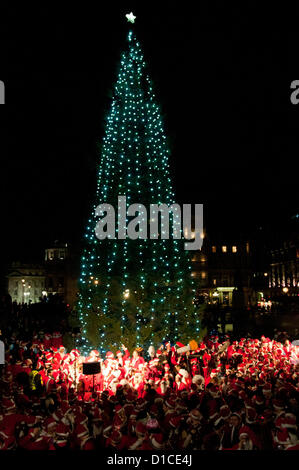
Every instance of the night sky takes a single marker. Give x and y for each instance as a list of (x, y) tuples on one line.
[(222, 76)]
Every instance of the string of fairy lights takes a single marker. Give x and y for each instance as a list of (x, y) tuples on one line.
[(135, 162)]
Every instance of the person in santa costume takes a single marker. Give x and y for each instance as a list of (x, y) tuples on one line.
[(94, 356), (154, 442), (247, 440), (116, 440), (137, 359), (182, 381), (192, 432), (135, 441), (83, 439), (62, 438), (169, 411), (231, 435), (121, 358), (11, 417)]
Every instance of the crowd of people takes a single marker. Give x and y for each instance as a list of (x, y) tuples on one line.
[(218, 395)]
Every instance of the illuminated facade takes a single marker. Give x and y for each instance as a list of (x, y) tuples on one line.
[(220, 269), (57, 276)]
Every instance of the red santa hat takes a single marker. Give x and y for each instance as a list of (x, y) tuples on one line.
[(213, 414), (96, 415), (289, 421), (94, 352), (115, 436), (9, 443), (214, 391), (258, 400), (140, 429), (118, 353), (141, 403), (267, 389), (118, 408), (195, 415), (225, 411), (75, 353), (39, 365), (245, 431), (57, 415), (62, 430), (81, 431), (8, 405), (31, 421), (170, 402), (282, 437), (109, 355), (278, 405), (81, 418), (50, 423), (157, 441), (154, 410), (180, 405), (251, 415), (175, 421)]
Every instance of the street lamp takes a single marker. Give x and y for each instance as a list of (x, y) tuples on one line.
[(285, 290), (23, 287)]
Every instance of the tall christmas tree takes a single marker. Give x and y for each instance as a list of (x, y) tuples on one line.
[(137, 292)]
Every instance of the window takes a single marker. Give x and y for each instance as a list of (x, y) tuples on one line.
[(203, 275), (213, 249), (214, 282), (234, 249), (224, 249), (247, 247)]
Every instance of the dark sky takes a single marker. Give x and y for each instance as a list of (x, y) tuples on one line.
[(222, 75)]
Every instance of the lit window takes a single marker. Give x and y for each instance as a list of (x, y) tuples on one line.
[(224, 249), (234, 249), (213, 249), (203, 259), (247, 247), (203, 275), (214, 282)]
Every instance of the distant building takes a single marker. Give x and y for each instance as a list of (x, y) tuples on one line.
[(222, 270), (61, 272), (26, 283), (284, 267), (57, 276)]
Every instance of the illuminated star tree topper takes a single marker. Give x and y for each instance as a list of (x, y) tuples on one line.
[(131, 18)]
